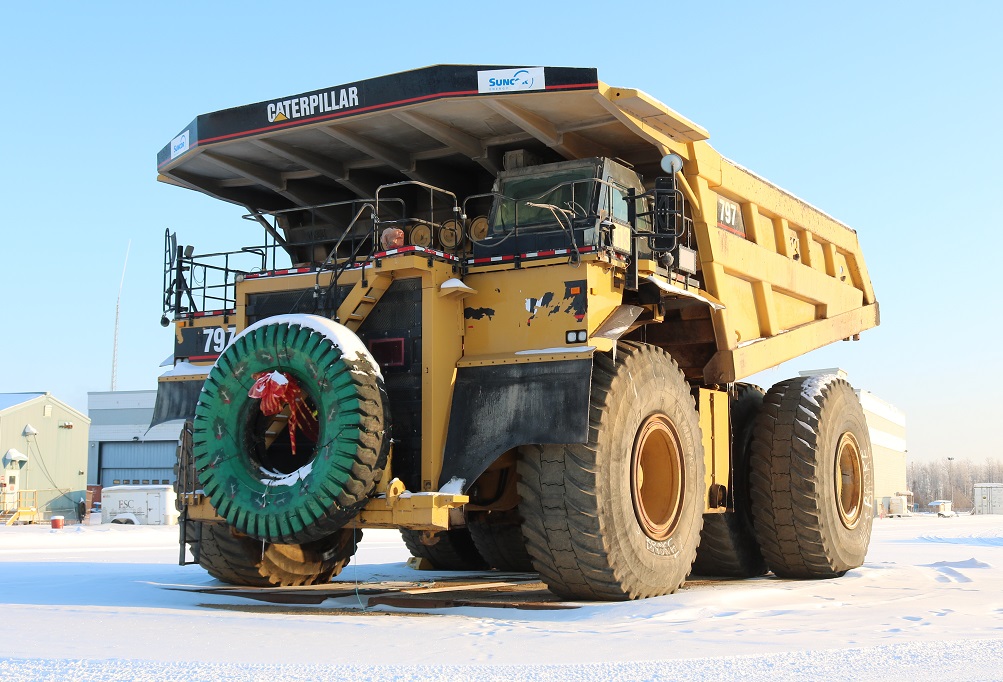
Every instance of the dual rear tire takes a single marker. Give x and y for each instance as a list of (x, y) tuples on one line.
[(812, 478), (728, 545)]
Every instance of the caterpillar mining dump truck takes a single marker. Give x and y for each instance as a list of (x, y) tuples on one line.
[(507, 311)]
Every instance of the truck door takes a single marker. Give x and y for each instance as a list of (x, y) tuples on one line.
[(8, 501), (154, 515)]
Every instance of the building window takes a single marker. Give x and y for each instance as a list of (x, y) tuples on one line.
[(135, 481), (116, 482)]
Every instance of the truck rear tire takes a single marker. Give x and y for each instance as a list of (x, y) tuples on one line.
[(237, 559), (619, 517), (728, 546), (260, 483), (498, 538), (812, 478), (446, 550)]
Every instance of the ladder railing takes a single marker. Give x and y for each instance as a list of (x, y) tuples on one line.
[(668, 225)]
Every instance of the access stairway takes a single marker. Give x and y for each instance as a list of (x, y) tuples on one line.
[(22, 510), (14, 516)]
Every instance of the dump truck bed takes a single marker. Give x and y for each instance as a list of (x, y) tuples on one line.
[(789, 278)]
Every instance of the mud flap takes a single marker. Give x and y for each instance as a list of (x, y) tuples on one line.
[(498, 407), (176, 400)]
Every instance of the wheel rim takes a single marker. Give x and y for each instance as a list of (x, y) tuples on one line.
[(849, 477), (656, 477)]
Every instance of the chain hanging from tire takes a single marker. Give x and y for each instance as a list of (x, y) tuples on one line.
[(812, 480), (619, 517), (246, 460)]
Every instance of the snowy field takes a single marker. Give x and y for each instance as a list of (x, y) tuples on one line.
[(95, 603)]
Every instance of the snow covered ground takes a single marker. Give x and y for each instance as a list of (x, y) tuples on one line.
[(95, 603)]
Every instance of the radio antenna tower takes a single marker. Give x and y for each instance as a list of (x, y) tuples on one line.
[(118, 303)]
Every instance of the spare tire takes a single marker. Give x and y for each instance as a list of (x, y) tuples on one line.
[(301, 483)]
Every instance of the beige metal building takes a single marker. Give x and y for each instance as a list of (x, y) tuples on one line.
[(886, 424), (43, 448)]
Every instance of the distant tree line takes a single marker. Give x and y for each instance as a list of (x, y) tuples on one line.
[(947, 479)]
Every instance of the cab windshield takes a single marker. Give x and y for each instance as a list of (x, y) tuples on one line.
[(570, 190)]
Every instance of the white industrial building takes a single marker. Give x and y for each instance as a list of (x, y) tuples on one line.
[(123, 449)]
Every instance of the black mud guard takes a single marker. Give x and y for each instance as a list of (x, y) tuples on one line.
[(498, 407), (176, 400)]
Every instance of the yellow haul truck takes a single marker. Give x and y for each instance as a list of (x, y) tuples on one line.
[(508, 310)]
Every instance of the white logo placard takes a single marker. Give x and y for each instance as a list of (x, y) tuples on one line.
[(511, 80), (179, 145)]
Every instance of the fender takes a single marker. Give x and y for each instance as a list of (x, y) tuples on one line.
[(499, 407), (176, 400)]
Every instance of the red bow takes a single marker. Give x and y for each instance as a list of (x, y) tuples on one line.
[(277, 390)]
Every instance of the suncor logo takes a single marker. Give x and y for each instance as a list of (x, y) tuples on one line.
[(520, 78), (179, 145), (511, 80)]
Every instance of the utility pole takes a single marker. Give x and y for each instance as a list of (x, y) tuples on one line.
[(950, 480), (118, 302)]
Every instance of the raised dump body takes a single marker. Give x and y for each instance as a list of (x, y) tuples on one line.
[(539, 291)]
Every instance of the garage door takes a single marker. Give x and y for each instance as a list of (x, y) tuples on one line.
[(148, 463)]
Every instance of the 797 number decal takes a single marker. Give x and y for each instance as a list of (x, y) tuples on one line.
[(217, 338), (200, 344)]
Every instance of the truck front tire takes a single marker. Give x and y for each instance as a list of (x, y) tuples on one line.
[(619, 517), (237, 559)]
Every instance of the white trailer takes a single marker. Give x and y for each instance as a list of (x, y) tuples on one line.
[(148, 505), (898, 505), (988, 498)]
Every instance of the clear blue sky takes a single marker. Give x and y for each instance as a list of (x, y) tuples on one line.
[(886, 117)]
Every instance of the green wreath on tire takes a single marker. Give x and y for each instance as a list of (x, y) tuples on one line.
[(300, 487)]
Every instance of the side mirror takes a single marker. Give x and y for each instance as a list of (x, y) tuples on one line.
[(672, 163)]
